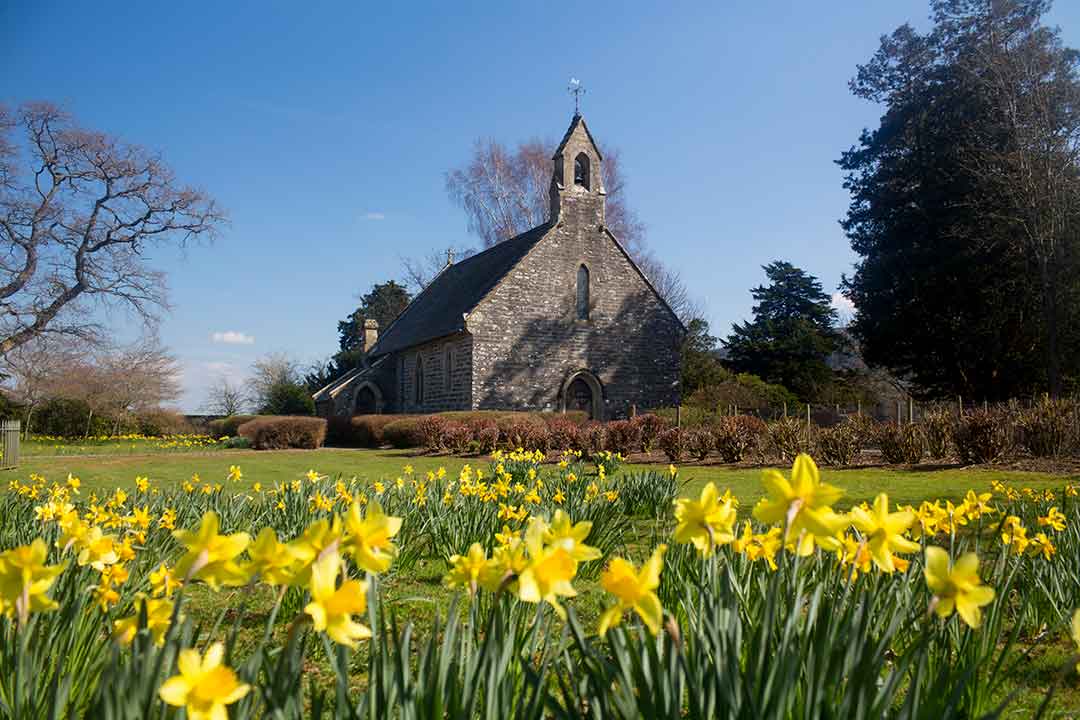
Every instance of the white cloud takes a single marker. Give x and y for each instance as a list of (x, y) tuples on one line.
[(232, 337), (375, 216), (843, 305)]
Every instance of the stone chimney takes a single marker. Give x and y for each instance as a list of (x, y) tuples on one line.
[(371, 334)]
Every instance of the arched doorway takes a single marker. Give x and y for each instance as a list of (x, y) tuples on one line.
[(368, 400), (581, 391)]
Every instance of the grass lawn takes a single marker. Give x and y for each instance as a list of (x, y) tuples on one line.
[(112, 468)]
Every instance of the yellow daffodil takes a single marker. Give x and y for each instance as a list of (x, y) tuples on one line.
[(273, 561), (547, 576), (633, 590), (158, 618), (1076, 634), (368, 537), (25, 579), (234, 474), (204, 686), (569, 536), (706, 522), (884, 531), (332, 607), (163, 581), (211, 557), (1043, 545), (803, 507), (506, 563), (466, 570), (956, 586), (1054, 519)]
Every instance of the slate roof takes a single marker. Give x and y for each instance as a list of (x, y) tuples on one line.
[(440, 308)]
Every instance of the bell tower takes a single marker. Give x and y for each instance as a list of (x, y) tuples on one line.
[(577, 184)]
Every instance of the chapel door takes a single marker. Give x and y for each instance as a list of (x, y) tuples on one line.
[(579, 396), (365, 402)]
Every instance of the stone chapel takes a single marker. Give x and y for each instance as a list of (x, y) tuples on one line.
[(557, 318)]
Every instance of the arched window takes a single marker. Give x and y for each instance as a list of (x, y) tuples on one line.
[(418, 381), (581, 170), (583, 293)]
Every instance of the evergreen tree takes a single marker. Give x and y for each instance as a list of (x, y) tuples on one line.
[(964, 203), (791, 334)]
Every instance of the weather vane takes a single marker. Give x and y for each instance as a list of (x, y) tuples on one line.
[(577, 91)]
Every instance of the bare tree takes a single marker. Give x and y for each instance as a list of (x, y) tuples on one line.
[(420, 271), (37, 370), (225, 397), (505, 192), (270, 370), (77, 211), (143, 376)]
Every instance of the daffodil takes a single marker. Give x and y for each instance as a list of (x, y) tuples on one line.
[(158, 618), (211, 557), (706, 522), (569, 536), (204, 686), (884, 531), (332, 607), (1054, 519), (956, 586), (549, 572), (506, 563), (274, 562), (1076, 634), (803, 507), (319, 536), (633, 590), (25, 579), (466, 570), (368, 537)]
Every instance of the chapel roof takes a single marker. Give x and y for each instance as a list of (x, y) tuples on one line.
[(441, 307)]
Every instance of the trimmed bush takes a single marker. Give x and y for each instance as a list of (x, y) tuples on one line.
[(839, 444), (278, 432), (623, 437), (403, 433), (361, 431), (699, 442), (651, 427), (592, 437), (537, 437), (938, 430), (1044, 430), (564, 434), (163, 422), (673, 443), (430, 429), (457, 437), (237, 443), (735, 438), (788, 437), (901, 444), (982, 436), (485, 435), (228, 426)]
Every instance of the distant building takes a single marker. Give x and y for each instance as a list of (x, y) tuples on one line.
[(557, 318)]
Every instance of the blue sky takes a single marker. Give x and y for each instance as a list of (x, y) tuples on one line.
[(325, 130)]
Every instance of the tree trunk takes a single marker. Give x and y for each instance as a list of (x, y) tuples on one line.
[(1047, 277), (89, 419)]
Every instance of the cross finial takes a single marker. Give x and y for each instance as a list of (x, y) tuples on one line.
[(575, 89), (449, 256)]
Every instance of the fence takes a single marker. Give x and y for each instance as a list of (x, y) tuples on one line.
[(9, 444)]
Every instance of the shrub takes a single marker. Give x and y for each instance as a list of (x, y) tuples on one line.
[(1044, 430), (364, 431), (787, 438), (938, 430), (865, 429), (736, 437), (163, 422), (699, 442), (430, 429), (228, 426), (237, 443), (457, 437), (673, 442), (592, 438), (982, 436), (901, 444), (623, 436), (403, 433), (271, 432), (651, 426), (68, 418), (537, 437), (485, 435), (839, 444), (288, 398), (514, 432), (564, 434)]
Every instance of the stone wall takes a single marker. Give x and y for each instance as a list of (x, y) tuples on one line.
[(448, 376), (527, 340)]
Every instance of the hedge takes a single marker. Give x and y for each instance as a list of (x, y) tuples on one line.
[(279, 432), (229, 426)]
